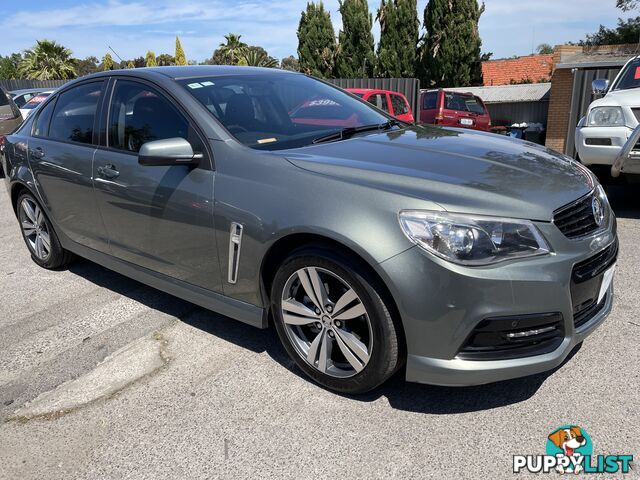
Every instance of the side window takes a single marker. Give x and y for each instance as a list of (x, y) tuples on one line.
[(380, 101), (75, 112), (430, 100), (400, 107), (139, 114), (41, 125)]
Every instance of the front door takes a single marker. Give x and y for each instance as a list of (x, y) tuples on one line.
[(157, 217)]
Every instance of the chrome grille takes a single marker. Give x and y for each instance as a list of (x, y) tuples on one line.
[(576, 219)]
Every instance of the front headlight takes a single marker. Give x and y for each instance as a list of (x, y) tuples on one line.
[(606, 117), (472, 240)]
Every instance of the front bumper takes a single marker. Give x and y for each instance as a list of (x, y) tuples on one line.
[(441, 304), (594, 154)]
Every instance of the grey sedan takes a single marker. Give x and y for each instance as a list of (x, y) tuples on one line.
[(274, 198)]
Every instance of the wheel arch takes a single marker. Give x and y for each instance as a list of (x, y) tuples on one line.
[(16, 190), (288, 244)]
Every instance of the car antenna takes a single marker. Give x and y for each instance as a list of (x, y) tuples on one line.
[(119, 57)]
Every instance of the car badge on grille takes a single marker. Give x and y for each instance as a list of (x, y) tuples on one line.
[(598, 210)]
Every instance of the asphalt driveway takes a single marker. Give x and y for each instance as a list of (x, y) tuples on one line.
[(103, 377)]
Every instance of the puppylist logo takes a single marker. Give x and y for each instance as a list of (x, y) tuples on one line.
[(569, 450)]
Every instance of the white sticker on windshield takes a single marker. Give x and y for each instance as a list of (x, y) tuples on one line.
[(207, 84), (194, 85)]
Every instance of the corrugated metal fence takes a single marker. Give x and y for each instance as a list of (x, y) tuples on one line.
[(409, 87), (505, 114), (581, 97), (19, 84)]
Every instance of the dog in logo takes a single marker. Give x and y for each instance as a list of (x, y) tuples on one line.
[(568, 440)]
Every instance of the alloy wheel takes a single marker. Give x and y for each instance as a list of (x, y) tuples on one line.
[(34, 228), (326, 322)]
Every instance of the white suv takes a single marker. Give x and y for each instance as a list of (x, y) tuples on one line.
[(603, 134)]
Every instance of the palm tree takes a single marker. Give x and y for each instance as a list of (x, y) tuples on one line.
[(47, 60), (233, 49), (256, 57)]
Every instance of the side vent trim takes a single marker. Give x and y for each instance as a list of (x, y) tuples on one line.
[(235, 242)]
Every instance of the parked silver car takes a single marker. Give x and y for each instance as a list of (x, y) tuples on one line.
[(371, 245)]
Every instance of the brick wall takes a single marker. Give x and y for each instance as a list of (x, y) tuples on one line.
[(559, 106), (560, 99)]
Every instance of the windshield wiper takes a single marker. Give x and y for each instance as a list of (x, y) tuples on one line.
[(350, 131)]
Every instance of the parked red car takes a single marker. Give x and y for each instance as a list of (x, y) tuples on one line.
[(454, 109), (394, 103)]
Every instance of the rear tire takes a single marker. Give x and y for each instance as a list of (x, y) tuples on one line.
[(333, 322), (38, 234)]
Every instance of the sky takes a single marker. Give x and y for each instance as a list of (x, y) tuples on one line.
[(89, 27)]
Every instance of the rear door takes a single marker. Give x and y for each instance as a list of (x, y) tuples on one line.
[(61, 150), (158, 217), (464, 110)]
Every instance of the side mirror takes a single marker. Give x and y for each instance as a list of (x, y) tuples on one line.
[(168, 152), (600, 86)]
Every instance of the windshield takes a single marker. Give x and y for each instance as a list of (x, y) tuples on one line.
[(630, 77), (274, 111)]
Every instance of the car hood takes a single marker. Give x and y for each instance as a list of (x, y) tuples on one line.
[(618, 98), (462, 171)]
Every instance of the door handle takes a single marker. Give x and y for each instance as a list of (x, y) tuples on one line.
[(37, 153), (108, 171)]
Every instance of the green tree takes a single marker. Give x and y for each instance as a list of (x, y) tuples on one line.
[(47, 60), (165, 60), (9, 66), (107, 62), (139, 62), (316, 41), (356, 55), (544, 49), (130, 64), (626, 5), (449, 52), (86, 66), (180, 57), (150, 59), (399, 27), (257, 57), (231, 50), (290, 63), (627, 31)]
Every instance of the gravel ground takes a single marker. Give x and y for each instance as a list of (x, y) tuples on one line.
[(201, 396)]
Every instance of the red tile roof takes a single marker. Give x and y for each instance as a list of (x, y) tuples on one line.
[(532, 68)]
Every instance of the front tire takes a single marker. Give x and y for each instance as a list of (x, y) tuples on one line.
[(331, 318), (38, 234)]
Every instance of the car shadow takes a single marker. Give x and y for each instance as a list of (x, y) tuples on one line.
[(624, 200), (400, 394)]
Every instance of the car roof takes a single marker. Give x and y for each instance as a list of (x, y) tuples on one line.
[(191, 71), (27, 90), (367, 90), (431, 90)]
